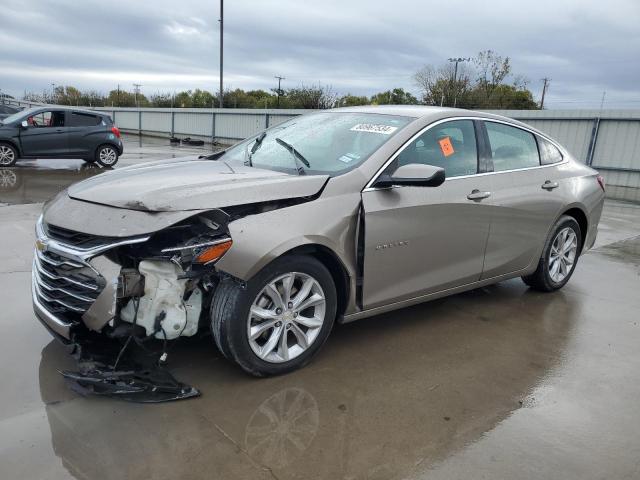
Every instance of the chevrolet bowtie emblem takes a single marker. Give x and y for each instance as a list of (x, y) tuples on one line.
[(41, 245)]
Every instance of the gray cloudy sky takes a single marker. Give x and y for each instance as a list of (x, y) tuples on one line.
[(356, 46)]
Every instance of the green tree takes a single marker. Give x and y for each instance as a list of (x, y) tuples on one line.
[(183, 100), (122, 98), (397, 96), (161, 100), (352, 101), (202, 99)]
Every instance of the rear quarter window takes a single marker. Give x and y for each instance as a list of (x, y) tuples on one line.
[(549, 153)]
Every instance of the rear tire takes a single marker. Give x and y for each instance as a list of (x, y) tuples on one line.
[(107, 155), (559, 256), (296, 334), (8, 155)]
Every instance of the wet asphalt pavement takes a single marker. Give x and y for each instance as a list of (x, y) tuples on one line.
[(32, 181), (500, 382)]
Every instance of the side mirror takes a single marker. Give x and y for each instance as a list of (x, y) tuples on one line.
[(413, 175), (24, 124)]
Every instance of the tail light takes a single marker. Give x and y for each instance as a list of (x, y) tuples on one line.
[(116, 131), (600, 179)]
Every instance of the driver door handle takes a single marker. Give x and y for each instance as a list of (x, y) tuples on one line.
[(478, 195), (549, 185)]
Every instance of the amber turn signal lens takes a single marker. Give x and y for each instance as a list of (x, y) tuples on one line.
[(214, 252)]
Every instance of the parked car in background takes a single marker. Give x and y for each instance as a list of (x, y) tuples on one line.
[(46, 132), (332, 216), (6, 110)]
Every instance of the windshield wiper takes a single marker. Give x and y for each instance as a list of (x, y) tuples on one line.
[(248, 153), (297, 156)]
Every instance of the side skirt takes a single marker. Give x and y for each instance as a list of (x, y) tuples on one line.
[(432, 296)]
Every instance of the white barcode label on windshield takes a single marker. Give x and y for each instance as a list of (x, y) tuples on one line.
[(374, 128)]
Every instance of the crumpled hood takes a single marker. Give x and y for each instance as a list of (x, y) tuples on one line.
[(192, 184)]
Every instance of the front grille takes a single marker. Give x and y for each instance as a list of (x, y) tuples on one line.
[(66, 287), (75, 239)]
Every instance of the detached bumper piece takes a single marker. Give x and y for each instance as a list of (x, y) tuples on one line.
[(136, 378), (148, 386)]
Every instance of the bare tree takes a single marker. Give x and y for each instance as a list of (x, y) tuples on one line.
[(438, 85), (483, 85)]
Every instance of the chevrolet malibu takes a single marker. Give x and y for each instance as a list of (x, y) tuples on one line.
[(329, 217)]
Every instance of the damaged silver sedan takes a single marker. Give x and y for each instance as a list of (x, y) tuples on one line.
[(331, 216)]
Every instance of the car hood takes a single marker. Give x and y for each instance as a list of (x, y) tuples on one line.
[(192, 184)]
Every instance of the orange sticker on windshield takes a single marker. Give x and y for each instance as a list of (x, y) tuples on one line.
[(446, 147)]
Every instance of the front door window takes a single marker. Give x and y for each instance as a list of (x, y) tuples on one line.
[(46, 119)]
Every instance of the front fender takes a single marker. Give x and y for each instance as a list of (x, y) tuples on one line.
[(261, 238)]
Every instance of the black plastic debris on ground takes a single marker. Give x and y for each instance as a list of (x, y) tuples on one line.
[(132, 374)]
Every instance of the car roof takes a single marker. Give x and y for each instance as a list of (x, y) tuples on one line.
[(63, 108), (430, 113)]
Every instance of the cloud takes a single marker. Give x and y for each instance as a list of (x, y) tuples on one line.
[(361, 47)]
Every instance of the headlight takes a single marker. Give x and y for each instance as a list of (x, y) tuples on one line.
[(214, 252), (204, 252)]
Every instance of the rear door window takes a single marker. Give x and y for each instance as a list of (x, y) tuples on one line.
[(449, 145), (77, 119), (549, 153), (511, 148)]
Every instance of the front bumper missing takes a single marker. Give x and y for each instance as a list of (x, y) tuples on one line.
[(106, 366)]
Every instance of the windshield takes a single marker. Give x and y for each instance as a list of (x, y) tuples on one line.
[(319, 143), (17, 116)]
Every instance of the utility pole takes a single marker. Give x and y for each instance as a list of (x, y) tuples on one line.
[(279, 91), (136, 91), (455, 76), (53, 92), (545, 86), (118, 97), (604, 94), (221, 47)]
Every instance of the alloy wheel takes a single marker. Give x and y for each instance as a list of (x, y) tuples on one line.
[(108, 156), (286, 317), (7, 155), (563, 254)]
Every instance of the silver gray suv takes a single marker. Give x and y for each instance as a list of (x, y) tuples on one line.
[(333, 216)]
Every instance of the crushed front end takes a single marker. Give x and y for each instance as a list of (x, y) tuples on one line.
[(118, 301)]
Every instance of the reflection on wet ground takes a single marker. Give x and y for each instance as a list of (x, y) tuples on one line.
[(31, 181), (500, 382)]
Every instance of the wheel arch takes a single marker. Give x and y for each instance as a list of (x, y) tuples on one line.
[(13, 143), (320, 251), (336, 268), (579, 216)]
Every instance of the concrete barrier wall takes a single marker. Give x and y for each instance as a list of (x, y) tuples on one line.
[(607, 140)]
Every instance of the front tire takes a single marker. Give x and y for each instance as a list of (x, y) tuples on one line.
[(107, 155), (8, 155), (559, 257), (279, 320)]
